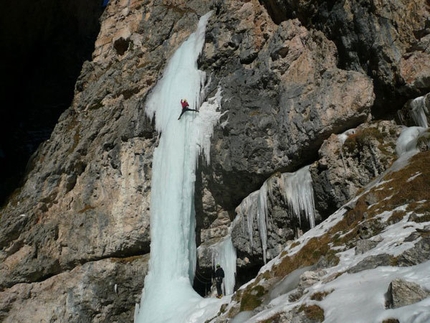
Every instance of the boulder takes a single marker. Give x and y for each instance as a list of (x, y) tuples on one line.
[(402, 293)]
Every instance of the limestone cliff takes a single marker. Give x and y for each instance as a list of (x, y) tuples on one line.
[(325, 84)]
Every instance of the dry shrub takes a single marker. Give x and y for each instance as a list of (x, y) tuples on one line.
[(313, 312)]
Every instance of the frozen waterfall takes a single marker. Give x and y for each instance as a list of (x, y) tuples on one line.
[(168, 295)]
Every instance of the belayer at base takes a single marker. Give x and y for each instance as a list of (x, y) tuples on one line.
[(219, 276), (185, 108)]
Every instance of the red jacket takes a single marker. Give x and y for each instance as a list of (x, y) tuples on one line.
[(184, 104)]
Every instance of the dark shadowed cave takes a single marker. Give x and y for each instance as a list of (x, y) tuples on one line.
[(44, 44)]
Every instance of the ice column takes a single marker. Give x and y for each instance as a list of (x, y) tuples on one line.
[(224, 254), (168, 294)]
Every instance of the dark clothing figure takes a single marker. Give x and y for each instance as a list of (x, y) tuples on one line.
[(219, 276), (185, 108)]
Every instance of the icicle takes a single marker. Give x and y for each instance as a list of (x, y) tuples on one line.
[(224, 254), (419, 111), (248, 210), (204, 126), (254, 206), (262, 218), (298, 192)]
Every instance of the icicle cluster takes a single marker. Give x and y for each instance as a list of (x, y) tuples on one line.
[(296, 188), (299, 193)]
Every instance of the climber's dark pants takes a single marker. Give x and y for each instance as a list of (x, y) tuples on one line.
[(185, 110), (218, 288)]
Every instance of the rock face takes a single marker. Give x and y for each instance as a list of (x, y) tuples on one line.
[(386, 40), (96, 291), (281, 104), (303, 83)]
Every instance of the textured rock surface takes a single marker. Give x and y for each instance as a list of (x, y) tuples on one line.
[(402, 293), (350, 160), (280, 106), (386, 40), (97, 291), (295, 92), (85, 208)]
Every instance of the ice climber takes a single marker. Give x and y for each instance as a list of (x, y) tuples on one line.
[(185, 107), (219, 276)]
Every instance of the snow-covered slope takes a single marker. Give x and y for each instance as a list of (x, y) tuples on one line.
[(368, 262)]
